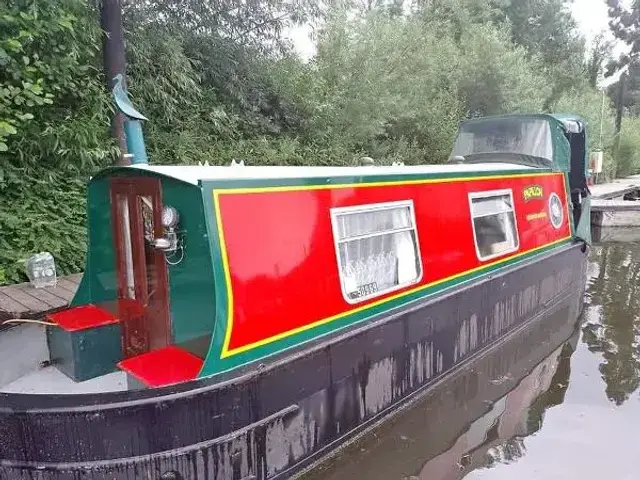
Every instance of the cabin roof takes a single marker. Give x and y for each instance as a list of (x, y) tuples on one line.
[(194, 174), (559, 118)]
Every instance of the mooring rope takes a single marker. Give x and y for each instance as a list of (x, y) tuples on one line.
[(25, 320)]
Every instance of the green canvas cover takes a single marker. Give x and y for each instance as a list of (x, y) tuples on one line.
[(540, 140), (583, 230), (574, 124), (539, 135)]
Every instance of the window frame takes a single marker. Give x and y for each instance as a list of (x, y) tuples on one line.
[(335, 214), (488, 194)]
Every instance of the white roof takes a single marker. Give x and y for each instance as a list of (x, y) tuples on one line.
[(194, 173)]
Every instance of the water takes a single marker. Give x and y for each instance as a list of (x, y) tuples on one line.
[(563, 407)]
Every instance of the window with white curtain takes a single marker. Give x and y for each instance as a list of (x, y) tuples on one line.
[(377, 248), (494, 223)]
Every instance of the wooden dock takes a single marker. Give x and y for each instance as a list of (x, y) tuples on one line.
[(615, 189), (610, 209), (23, 301)]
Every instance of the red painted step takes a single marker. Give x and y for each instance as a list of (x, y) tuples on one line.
[(82, 317), (162, 367)]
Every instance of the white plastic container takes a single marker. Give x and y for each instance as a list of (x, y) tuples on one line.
[(41, 270)]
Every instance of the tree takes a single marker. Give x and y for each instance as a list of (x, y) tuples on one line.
[(546, 28), (625, 25), (51, 95), (457, 16), (54, 120), (631, 94), (601, 50), (255, 23)]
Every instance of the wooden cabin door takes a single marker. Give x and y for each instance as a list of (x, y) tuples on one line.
[(143, 304)]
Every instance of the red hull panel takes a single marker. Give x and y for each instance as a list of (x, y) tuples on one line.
[(282, 262)]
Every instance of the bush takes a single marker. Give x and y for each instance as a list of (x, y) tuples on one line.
[(587, 102), (628, 155), (54, 129), (43, 210)]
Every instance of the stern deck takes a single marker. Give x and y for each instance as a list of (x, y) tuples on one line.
[(26, 368)]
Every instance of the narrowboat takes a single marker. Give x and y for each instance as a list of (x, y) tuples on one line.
[(243, 322)]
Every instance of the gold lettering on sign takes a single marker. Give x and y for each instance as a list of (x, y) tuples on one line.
[(536, 216), (534, 191)]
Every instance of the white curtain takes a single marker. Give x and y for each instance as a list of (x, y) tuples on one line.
[(377, 267), (385, 259)]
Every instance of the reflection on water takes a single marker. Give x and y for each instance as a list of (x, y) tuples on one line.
[(559, 392), (612, 326)]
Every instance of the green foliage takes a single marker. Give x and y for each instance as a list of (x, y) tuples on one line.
[(546, 28), (219, 83), (624, 20), (43, 210), (257, 24), (588, 103), (54, 117), (628, 158), (496, 77), (51, 98), (600, 52), (385, 84), (396, 88), (631, 94), (368, 97)]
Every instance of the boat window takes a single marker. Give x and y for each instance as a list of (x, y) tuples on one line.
[(377, 249), (509, 135), (494, 223)]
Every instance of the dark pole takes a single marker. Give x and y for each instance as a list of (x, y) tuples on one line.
[(114, 63)]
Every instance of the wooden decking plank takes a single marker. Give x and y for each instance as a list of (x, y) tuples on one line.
[(75, 278), (32, 304), (43, 294), (62, 294), (67, 285), (25, 301), (615, 189), (9, 305)]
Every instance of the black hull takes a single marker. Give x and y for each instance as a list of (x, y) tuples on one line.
[(448, 432), (272, 422)]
